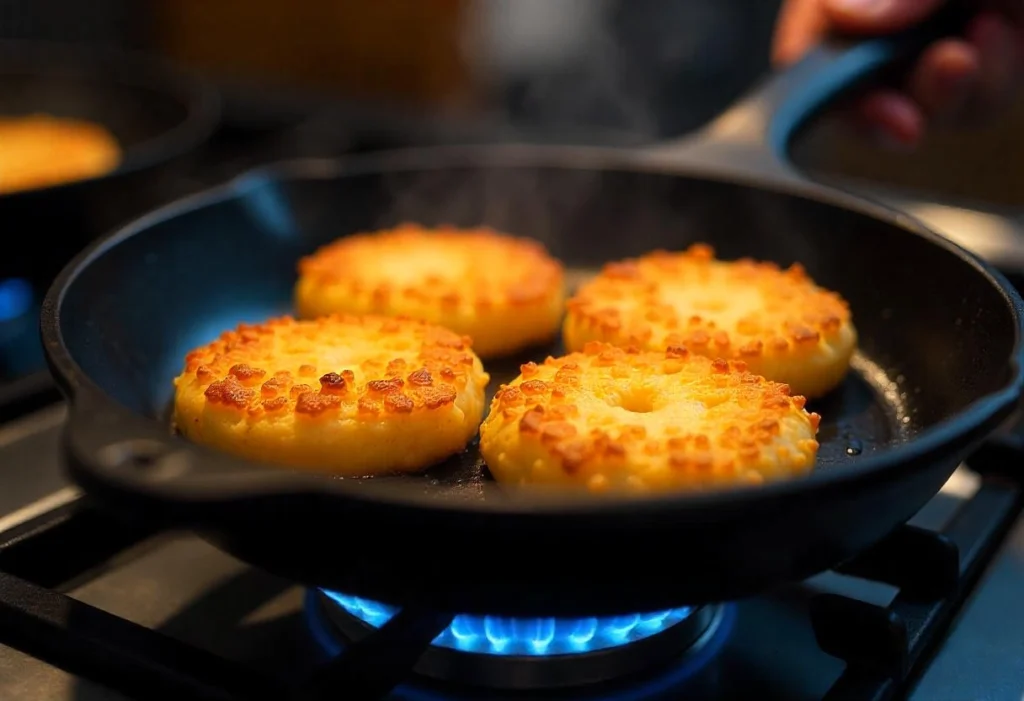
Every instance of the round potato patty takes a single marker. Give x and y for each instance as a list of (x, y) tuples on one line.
[(778, 322), (343, 394), (610, 418), (505, 293)]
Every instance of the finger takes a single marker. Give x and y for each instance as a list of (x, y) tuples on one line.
[(893, 116), (999, 53), (944, 79), (800, 25), (877, 16)]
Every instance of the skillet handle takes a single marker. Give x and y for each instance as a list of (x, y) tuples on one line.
[(123, 458), (751, 138)]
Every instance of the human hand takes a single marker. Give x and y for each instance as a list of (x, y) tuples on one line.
[(954, 80)]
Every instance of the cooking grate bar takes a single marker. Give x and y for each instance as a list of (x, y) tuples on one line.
[(370, 668), (884, 645), (117, 653), (65, 544)]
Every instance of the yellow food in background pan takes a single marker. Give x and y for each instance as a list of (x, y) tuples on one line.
[(40, 151)]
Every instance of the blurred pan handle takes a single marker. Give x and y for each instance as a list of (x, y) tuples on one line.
[(751, 138)]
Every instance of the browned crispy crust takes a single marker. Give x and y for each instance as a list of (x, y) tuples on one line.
[(798, 313), (485, 269), (503, 291), (778, 321), (257, 369), (558, 413)]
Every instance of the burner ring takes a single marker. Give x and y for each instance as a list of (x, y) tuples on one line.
[(540, 671)]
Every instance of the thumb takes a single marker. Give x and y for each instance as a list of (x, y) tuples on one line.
[(877, 16)]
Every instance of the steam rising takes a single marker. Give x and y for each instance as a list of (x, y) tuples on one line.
[(569, 66), (561, 61)]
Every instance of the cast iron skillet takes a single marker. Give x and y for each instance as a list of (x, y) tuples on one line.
[(155, 111), (939, 368)]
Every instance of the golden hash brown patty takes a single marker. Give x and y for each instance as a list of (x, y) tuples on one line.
[(778, 322), (341, 394), (505, 293), (615, 419)]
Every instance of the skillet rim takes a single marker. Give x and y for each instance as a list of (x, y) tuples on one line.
[(135, 69), (76, 384)]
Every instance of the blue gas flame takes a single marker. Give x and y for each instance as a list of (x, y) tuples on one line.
[(16, 297), (493, 635)]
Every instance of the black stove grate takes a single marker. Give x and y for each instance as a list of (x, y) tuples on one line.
[(885, 647)]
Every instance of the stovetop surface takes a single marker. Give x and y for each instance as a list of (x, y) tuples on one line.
[(180, 585), (186, 588)]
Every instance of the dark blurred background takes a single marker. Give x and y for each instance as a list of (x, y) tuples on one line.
[(651, 67), (570, 70)]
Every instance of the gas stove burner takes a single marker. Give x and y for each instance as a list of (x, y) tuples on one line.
[(533, 653)]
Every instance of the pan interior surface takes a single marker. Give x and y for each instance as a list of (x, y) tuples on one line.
[(934, 331)]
